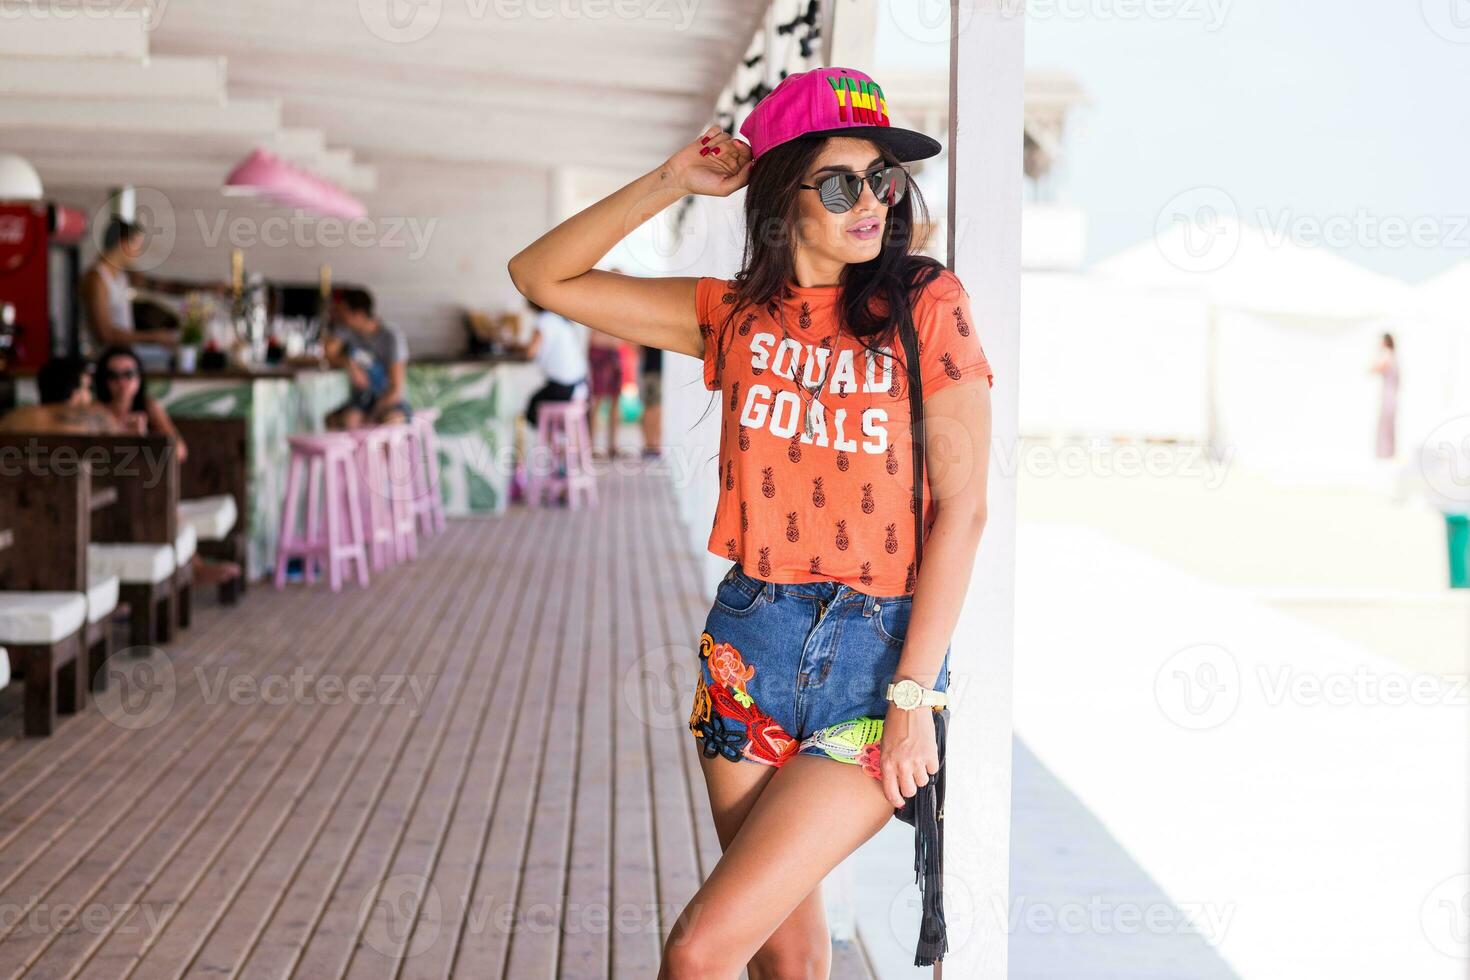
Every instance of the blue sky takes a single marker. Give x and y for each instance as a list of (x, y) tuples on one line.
[(1316, 117)]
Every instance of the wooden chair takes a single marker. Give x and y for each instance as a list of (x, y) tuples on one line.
[(214, 489), (55, 614), (137, 537)]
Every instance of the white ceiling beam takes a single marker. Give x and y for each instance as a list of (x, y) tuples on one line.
[(449, 87), (680, 69), (131, 160), (159, 173), (30, 30), (190, 79), (295, 143), (476, 21), (167, 173), (439, 134), (249, 116)]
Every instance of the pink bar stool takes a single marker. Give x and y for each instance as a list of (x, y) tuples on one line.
[(371, 459), (428, 499), (561, 459), (323, 466), (401, 490)]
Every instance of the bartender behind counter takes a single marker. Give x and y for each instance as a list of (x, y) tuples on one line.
[(107, 297)]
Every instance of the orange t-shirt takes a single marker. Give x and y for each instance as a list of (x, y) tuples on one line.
[(838, 503)]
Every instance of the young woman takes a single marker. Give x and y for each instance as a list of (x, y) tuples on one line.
[(106, 297), (122, 391), (122, 394), (822, 609)]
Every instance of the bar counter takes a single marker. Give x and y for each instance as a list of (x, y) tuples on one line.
[(478, 403)]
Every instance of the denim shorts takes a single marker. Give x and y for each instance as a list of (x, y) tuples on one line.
[(798, 669)]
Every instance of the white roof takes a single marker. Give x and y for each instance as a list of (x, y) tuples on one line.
[(1239, 266), (1448, 294)]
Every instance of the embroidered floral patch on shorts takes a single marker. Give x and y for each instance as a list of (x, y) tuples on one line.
[(788, 669)]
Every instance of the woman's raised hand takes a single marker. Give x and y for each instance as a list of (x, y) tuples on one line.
[(716, 164)]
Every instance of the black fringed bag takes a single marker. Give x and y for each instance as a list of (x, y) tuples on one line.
[(924, 811)]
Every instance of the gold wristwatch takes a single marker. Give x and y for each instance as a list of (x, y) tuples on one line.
[(908, 695)]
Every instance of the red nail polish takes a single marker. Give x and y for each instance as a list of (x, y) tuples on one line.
[(704, 139), (704, 152), (717, 151)]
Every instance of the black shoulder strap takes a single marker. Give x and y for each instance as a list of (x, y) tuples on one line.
[(910, 339)]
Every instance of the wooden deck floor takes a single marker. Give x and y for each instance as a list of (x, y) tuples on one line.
[(478, 767)]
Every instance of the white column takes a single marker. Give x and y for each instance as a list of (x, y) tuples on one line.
[(984, 229)]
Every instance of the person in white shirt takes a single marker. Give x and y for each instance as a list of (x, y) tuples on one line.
[(559, 348)]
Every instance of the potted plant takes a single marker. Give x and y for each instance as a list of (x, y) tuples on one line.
[(197, 312)]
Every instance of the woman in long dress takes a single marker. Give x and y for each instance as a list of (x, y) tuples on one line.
[(1386, 365)]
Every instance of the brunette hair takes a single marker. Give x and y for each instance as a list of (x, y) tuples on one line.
[(104, 392), (59, 379), (877, 295)]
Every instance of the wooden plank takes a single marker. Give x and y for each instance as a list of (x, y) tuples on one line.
[(541, 814), (636, 950), (521, 699), (391, 935), (586, 943), (667, 689), (127, 849), (243, 876), (297, 919), (544, 913)]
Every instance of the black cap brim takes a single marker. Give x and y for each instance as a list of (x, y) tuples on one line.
[(906, 144)]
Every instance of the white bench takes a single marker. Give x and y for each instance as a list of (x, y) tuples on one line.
[(43, 634)]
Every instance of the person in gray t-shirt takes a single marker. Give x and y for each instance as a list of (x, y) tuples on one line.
[(376, 358)]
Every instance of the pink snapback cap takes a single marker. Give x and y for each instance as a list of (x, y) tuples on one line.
[(830, 102)]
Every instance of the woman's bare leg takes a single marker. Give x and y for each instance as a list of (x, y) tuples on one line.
[(803, 936), (762, 903)]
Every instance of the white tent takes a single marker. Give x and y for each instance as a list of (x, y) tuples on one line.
[(1285, 319), (1241, 267)]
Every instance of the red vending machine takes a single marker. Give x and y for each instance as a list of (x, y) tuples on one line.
[(39, 270)]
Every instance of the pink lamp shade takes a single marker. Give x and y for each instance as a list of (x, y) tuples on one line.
[(266, 174)]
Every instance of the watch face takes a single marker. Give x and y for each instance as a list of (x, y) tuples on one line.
[(907, 694)]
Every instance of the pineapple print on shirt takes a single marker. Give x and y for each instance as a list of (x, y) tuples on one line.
[(834, 502)]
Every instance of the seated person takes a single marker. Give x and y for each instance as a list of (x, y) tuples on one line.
[(376, 358), (66, 407), (122, 392), (559, 348)]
